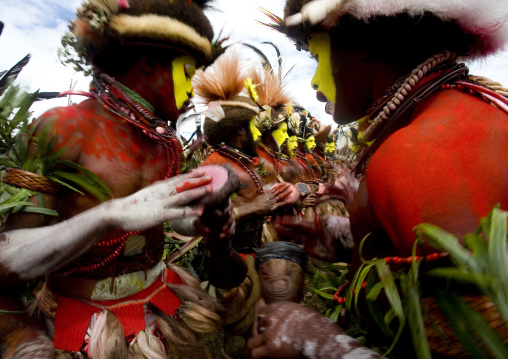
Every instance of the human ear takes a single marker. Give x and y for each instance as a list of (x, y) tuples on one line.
[(147, 64)]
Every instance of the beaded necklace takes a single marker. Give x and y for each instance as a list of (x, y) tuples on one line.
[(304, 162), (125, 103), (130, 106), (243, 160), (399, 92), (274, 157)]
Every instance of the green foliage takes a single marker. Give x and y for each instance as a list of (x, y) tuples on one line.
[(321, 284), (481, 259), (21, 149), (186, 253)]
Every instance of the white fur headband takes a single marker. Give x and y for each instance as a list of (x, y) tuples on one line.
[(487, 19)]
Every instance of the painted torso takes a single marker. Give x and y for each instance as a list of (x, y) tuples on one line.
[(120, 154), (270, 165), (448, 168)]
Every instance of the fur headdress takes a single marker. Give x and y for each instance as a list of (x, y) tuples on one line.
[(220, 86), (173, 24), (485, 20)]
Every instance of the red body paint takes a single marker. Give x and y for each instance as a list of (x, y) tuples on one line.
[(448, 168)]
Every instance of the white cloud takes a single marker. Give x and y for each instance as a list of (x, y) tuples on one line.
[(35, 27)]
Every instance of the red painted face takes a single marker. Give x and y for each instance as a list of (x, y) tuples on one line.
[(163, 90)]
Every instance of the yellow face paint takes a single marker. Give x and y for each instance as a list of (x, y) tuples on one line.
[(319, 48), (330, 147), (254, 130), (183, 68), (292, 144), (311, 142), (281, 133)]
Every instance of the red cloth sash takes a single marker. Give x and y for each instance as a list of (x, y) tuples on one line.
[(73, 316)]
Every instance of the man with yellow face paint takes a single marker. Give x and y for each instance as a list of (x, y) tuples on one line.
[(310, 141), (143, 54), (322, 81), (183, 67), (281, 134), (292, 144)]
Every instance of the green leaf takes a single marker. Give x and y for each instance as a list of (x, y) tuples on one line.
[(359, 277), (3, 207), (392, 294), (65, 184), (325, 295), (374, 292), (481, 280), (373, 289), (82, 181), (22, 113), (96, 180), (470, 327), (479, 246), (446, 242), (21, 194), (335, 314), (497, 247), (413, 310), (40, 210)]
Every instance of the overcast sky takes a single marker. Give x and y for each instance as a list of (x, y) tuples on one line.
[(36, 27)]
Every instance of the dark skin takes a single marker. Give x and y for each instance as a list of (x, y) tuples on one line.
[(247, 201), (129, 162)]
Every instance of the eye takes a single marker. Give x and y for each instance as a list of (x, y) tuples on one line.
[(190, 70)]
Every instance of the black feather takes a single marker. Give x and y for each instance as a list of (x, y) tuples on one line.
[(261, 54), (12, 73), (202, 3)]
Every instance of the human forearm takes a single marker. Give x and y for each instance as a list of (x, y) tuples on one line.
[(289, 330), (29, 253)]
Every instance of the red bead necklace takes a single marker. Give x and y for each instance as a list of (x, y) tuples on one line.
[(243, 160), (389, 260)]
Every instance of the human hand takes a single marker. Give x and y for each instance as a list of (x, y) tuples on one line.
[(328, 237), (272, 199), (309, 201), (162, 201), (343, 184), (217, 219), (284, 330)]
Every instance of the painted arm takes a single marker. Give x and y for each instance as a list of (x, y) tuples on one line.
[(26, 254), (286, 330), (263, 204)]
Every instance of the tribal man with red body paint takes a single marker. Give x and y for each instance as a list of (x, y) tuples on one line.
[(439, 153), (108, 294)]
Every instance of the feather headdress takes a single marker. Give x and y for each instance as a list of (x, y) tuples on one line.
[(221, 87), (272, 95), (487, 20)]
